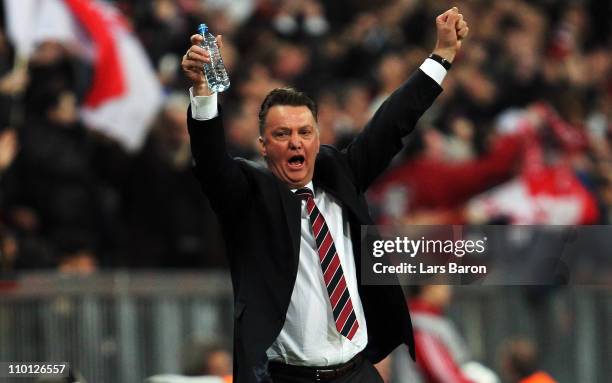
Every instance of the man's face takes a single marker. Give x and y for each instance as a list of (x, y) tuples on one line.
[(290, 144)]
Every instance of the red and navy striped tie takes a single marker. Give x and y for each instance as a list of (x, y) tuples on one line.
[(339, 297)]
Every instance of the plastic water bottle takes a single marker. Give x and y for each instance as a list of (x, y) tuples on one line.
[(216, 75)]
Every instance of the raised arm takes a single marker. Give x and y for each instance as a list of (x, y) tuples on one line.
[(372, 150), (222, 179)]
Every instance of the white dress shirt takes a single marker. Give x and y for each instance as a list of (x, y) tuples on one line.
[(309, 336)]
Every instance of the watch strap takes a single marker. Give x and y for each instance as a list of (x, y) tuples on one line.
[(441, 60)]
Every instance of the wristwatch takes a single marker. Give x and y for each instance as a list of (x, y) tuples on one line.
[(441, 60)]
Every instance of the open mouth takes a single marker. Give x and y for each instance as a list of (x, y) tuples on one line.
[(296, 162)]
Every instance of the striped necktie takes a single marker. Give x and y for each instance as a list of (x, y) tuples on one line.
[(339, 297)]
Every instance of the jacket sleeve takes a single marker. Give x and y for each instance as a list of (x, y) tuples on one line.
[(372, 150), (223, 181)]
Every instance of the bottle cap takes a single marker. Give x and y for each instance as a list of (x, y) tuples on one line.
[(202, 29)]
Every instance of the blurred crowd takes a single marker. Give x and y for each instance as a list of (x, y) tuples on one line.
[(521, 134)]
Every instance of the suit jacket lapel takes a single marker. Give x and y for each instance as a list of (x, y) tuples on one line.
[(338, 186), (291, 206)]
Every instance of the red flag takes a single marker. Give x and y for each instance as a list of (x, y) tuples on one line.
[(125, 94)]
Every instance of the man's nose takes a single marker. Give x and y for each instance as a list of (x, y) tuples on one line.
[(295, 141)]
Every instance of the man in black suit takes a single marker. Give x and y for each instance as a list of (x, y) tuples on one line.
[(292, 229)]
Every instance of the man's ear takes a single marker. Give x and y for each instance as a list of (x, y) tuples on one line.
[(262, 146)]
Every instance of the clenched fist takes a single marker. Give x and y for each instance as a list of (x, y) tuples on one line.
[(452, 29)]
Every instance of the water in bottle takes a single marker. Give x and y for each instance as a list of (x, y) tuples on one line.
[(215, 72)]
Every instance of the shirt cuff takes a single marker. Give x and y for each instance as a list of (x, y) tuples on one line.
[(434, 69), (203, 107)]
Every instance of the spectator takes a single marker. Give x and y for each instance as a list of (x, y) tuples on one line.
[(8, 243), (430, 188), (170, 223), (441, 353), (56, 199), (519, 360), (209, 360)]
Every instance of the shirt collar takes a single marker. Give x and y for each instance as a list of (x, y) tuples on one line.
[(309, 185)]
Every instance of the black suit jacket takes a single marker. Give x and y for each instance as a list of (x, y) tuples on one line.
[(260, 220)]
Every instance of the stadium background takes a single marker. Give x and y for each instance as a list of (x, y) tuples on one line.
[(98, 225)]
